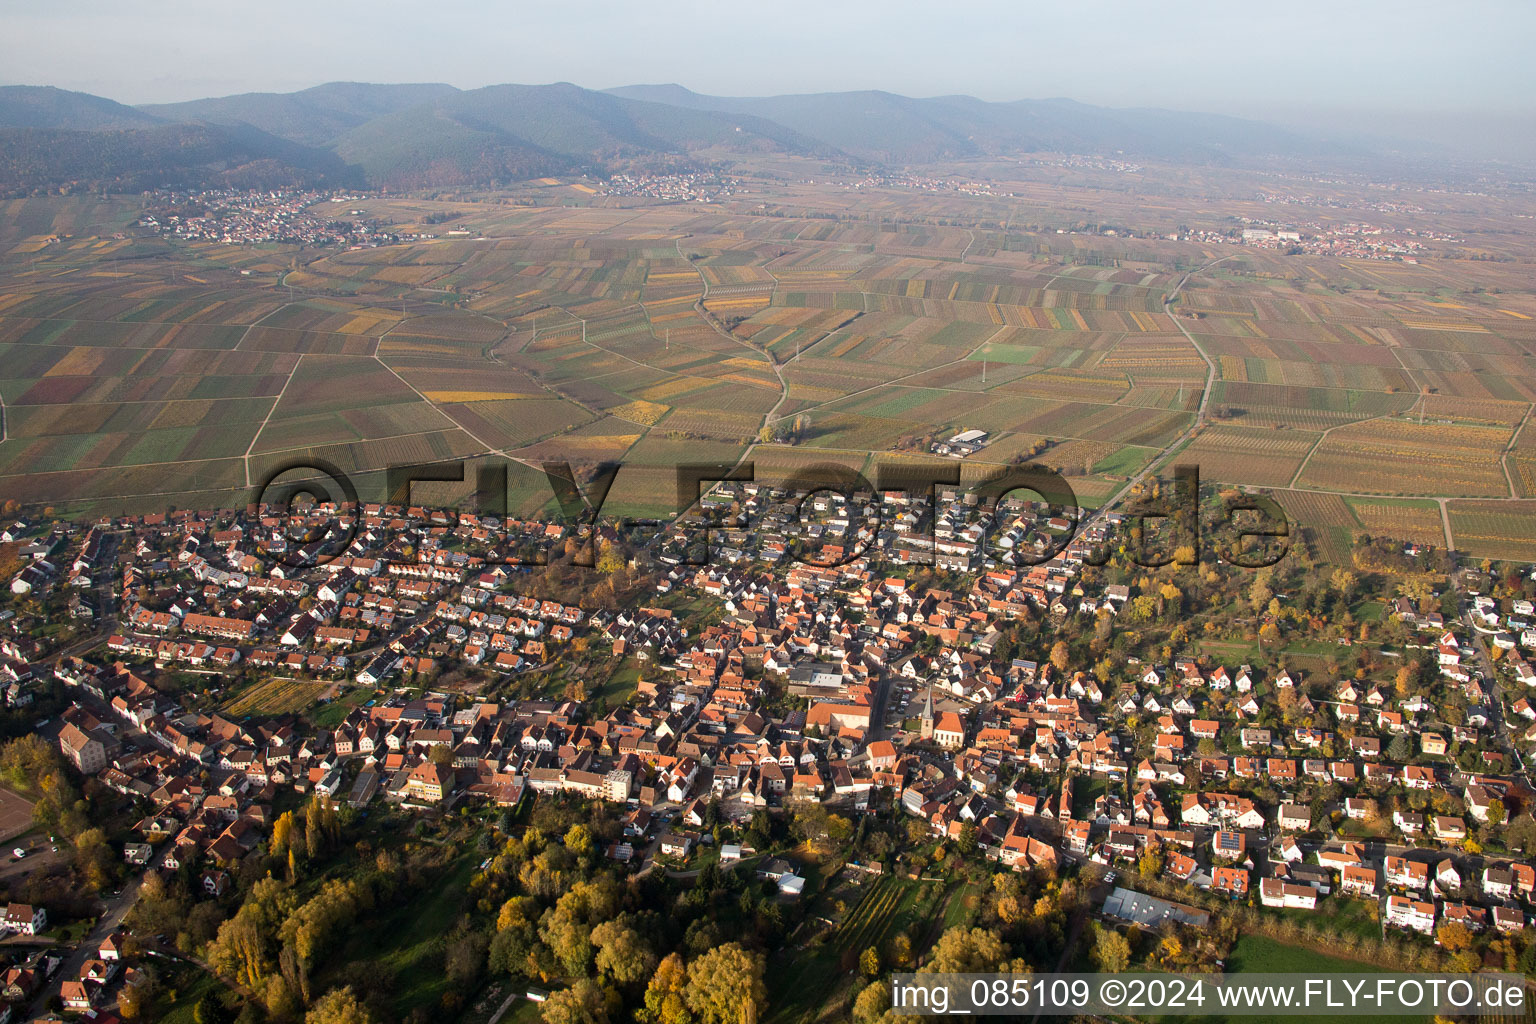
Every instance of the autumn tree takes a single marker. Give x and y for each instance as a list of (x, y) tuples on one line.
[(1111, 950), (967, 951), (1454, 936), (25, 760), (93, 859), (811, 823), (137, 1000), (623, 954), (243, 948), (873, 1003), (322, 827), (568, 928), (282, 999), (839, 829), (666, 995), (517, 912), (314, 927), (1496, 812), (585, 1002), (725, 985), (338, 1006), (282, 834), (578, 839)]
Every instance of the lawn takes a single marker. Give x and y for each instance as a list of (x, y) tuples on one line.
[(1368, 611), (1085, 792), (1257, 954), (1124, 462), (408, 939), (621, 684), (962, 905), (524, 1012), (189, 987), (330, 714), (1338, 916)]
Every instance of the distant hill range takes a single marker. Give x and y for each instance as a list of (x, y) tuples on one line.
[(885, 128), (403, 136)]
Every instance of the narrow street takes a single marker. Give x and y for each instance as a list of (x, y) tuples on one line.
[(111, 918)]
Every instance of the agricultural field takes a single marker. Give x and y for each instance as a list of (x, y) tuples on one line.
[(1489, 529), (810, 981), (1415, 521), (134, 368), (1324, 521), (1246, 455), (1404, 457), (275, 696)]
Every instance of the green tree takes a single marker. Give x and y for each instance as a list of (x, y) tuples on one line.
[(210, 1011), (1520, 833), (967, 841)]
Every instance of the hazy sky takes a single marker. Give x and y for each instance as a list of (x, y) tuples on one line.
[(1230, 56)]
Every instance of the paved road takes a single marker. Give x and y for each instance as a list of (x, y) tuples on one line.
[(1189, 432), (40, 857), (877, 711), (104, 597), (1210, 372), (111, 918), (1501, 729)]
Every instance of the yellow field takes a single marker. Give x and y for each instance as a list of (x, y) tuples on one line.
[(472, 396), (639, 411)]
